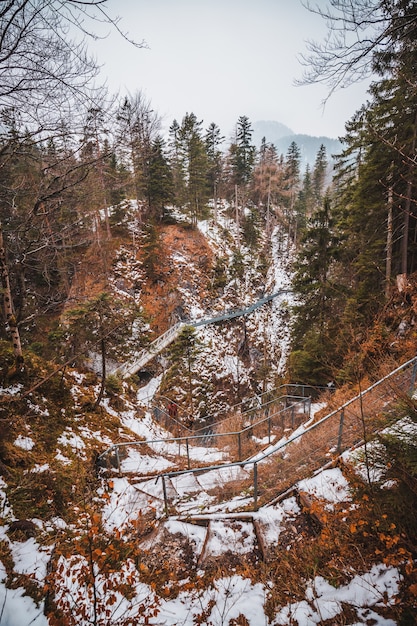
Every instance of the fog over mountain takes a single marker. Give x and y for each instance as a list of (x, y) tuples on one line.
[(282, 136)]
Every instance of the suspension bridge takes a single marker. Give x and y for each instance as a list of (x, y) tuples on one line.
[(141, 358)]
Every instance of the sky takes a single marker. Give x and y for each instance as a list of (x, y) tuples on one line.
[(222, 59)]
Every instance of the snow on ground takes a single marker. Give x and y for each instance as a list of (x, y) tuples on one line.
[(26, 443), (17, 609), (143, 463), (203, 454), (13, 390), (146, 394), (405, 430), (272, 518), (328, 485), (30, 558), (5, 510), (142, 425), (230, 597), (125, 504), (133, 460), (73, 441), (222, 476), (324, 602), (87, 607), (224, 601), (238, 538), (194, 533)]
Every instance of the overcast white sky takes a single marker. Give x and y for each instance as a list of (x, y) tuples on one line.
[(221, 59)]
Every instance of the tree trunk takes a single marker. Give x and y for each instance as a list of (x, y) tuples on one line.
[(9, 315), (388, 268), (103, 373), (237, 219), (407, 207)]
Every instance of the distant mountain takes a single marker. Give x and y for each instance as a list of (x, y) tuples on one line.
[(282, 137), (272, 131)]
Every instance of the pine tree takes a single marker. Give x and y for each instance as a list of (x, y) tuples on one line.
[(150, 250), (184, 352), (92, 325), (176, 163), (313, 349), (305, 203), (292, 185), (213, 140), (160, 190), (194, 163), (245, 151), (319, 173), (393, 121)]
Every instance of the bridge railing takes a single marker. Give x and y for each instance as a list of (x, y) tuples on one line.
[(145, 355), (141, 358)]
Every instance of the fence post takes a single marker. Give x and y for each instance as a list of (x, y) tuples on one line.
[(239, 446), (188, 453), (255, 486), (339, 440), (164, 491), (413, 378), (118, 461)]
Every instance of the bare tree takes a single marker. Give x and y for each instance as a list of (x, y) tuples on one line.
[(357, 31), (138, 127), (47, 82)]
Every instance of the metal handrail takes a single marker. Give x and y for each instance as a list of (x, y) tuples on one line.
[(295, 437), (186, 439)]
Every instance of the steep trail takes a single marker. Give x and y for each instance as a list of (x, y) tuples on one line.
[(163, 341), (232, 514), (253, 482)]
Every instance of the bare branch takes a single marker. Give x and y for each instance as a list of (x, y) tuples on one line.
[(358, 30)]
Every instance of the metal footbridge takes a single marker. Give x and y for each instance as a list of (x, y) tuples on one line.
[(143, 357)]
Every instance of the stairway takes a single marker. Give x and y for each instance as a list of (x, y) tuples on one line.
[(236, 537), (144, 356)]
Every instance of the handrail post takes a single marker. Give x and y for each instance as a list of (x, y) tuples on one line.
[(118, 461), (239, 446), (164, 491), (188, 453), (269, 429), (413, 378), (339, 439), (255, 486), (292, 416)]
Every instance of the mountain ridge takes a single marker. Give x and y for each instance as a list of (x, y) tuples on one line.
[(282, 136)]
